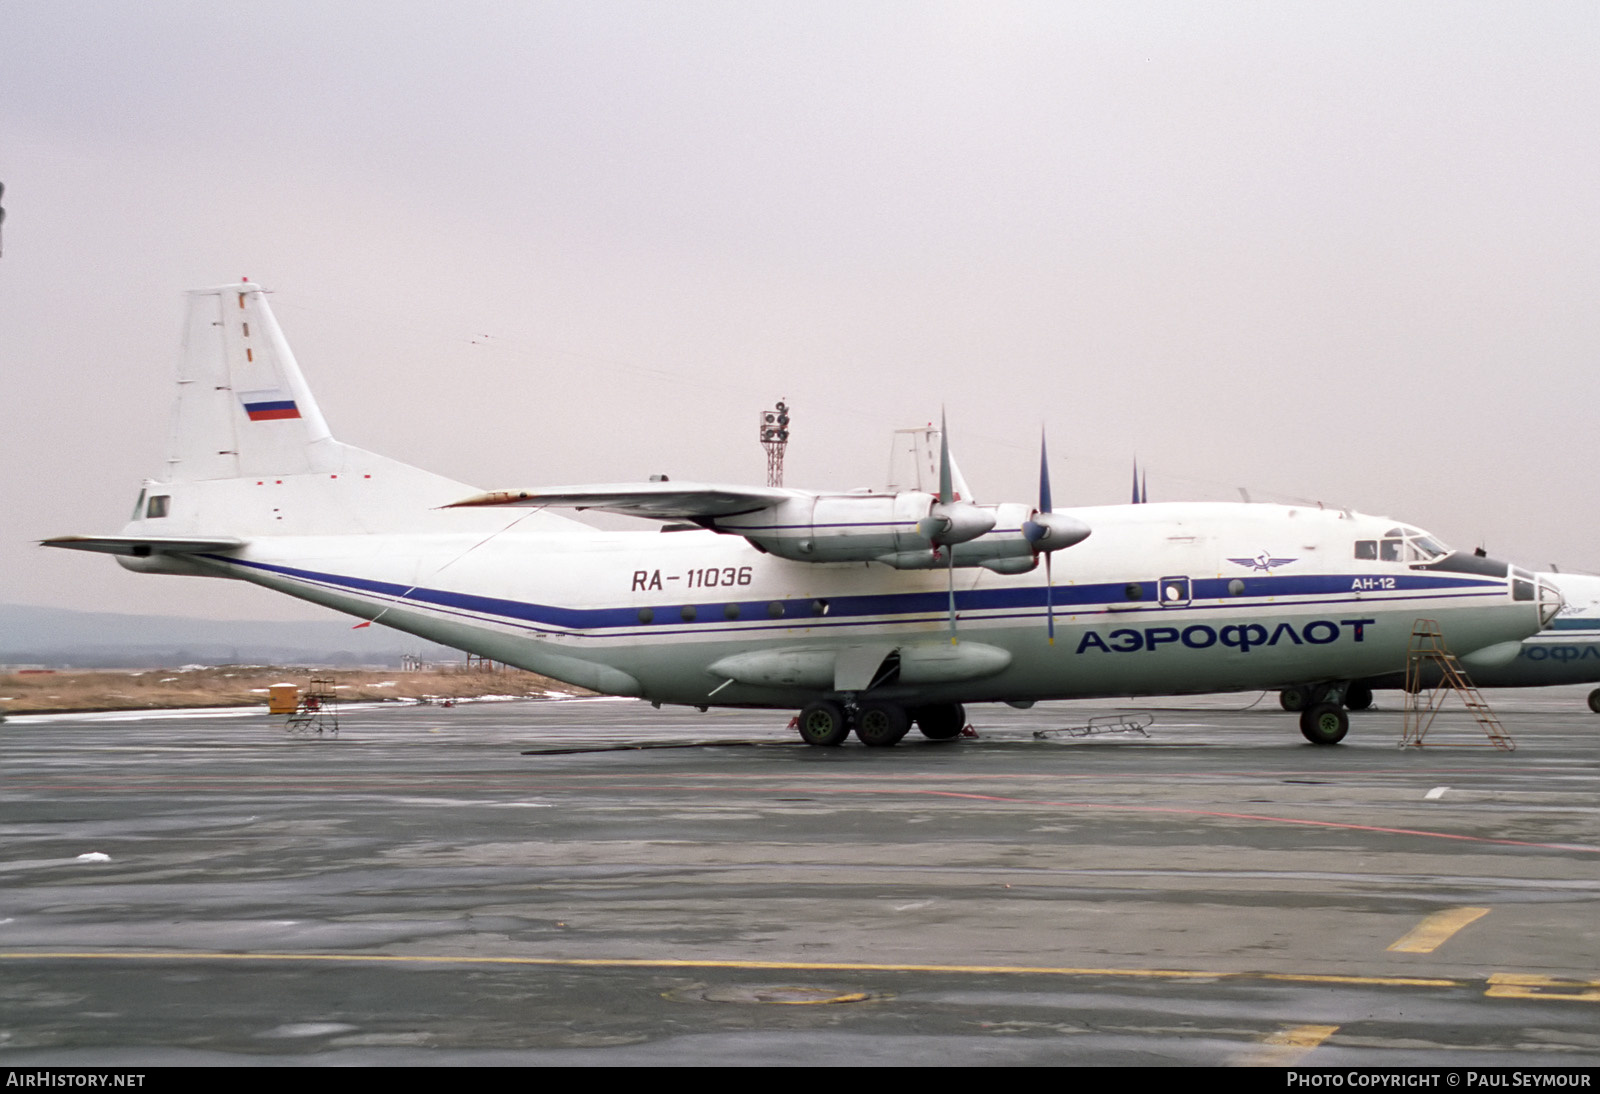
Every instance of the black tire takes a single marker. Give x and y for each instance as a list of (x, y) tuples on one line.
[(1324, 724), (1594, 700), (1293, 699), (1358, 697), (880, 725), (823, 723), (941, 723)]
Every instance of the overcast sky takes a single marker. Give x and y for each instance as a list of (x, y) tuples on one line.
[(1340, 252)]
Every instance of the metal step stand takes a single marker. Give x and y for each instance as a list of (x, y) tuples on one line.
[(318, 709), (1426, 649)]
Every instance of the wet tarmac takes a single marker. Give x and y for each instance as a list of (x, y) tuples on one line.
[(600, 882)]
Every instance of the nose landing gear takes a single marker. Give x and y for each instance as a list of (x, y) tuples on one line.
[(1324, 723)]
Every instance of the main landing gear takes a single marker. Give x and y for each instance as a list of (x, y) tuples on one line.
[(878, 724)]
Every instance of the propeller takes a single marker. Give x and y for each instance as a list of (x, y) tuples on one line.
[(1050, 531), (951, 521)]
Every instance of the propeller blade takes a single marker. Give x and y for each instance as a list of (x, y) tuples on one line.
[(1044, 476), (950, 570), (1049, 600), (946, 491), (1045, 506)]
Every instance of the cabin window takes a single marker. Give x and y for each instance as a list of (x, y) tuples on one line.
[(158, 506), (1133, 591)]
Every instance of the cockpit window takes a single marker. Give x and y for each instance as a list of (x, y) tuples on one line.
[(138, 506), (158, 505), (1430, 548), (1401, 545)]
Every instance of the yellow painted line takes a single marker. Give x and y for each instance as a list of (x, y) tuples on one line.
[(1432, 932), (1508, 985), (1373, 981), (1287, 1046)]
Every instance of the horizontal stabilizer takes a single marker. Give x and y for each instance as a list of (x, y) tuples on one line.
[(143, 546), (653, 500)]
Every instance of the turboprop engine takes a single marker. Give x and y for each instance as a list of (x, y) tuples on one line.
[(908, 531)]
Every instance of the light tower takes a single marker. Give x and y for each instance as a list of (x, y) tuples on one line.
[(774, 438)]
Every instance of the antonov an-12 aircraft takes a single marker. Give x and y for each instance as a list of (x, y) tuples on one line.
[(867, 611)]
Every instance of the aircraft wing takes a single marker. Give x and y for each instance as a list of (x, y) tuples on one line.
[(655, 500), (143, 546)]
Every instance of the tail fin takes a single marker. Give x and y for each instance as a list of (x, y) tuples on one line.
[(250, 454), (243, 407)]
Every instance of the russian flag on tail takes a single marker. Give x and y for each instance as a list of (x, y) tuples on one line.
[(268, 406)]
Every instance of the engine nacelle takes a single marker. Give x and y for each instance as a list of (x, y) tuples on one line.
[(836, 527), (893, 529)]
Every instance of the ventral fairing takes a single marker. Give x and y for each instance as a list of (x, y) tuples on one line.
[(867, 611)]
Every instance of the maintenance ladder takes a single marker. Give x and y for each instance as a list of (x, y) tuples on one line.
[(318, 709), (1426, 649)]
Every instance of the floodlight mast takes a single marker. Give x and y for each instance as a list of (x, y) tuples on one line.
[(775, 438)]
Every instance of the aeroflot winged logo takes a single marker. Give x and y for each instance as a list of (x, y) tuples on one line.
[(1263, 562)]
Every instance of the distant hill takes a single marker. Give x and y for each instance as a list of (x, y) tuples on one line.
[(57, 638)]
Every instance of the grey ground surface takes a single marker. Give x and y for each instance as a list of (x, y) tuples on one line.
[(506, 882)]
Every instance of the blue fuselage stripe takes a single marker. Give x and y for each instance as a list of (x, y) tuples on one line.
[(1104, 599)]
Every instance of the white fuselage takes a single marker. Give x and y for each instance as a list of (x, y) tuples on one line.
[(1161, 599)]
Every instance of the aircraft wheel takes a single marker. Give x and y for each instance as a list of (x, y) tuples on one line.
[(1292, 699), (1358, 697), (879, 725), (1594, 700), (942, 722), (823, 723), (1324, 724)]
